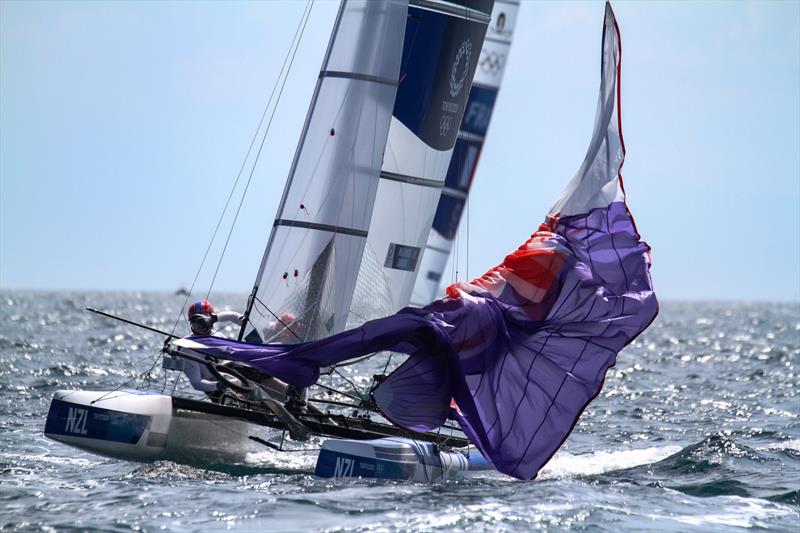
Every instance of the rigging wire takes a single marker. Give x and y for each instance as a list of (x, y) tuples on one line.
[(353, 385), (466, 277), (283, 323), (307, 14), (141, 376), (335, 391)]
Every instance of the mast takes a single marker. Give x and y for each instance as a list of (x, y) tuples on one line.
[(471, 136)]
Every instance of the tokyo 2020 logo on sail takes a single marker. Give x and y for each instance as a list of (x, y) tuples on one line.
[(460, 70), (431, 99)]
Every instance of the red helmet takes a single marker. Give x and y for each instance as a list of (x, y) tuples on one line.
[(200, 308)]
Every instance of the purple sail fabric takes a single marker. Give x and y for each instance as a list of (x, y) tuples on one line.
[(517, 354)]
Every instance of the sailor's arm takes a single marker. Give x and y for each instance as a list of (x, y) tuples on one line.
[(229, 316), (199, 376)]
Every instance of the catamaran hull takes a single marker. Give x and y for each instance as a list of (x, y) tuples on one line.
[(147, 427), (394, 458), (138, 426)]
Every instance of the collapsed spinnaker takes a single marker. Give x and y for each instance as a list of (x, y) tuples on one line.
[(517, 354)]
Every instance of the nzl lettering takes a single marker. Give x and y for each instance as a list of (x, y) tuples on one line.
[(76, 421), (344, 467)]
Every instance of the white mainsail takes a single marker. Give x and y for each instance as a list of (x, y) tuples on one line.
[(471, 135), (306, 277), (369, 168), (440, 58)]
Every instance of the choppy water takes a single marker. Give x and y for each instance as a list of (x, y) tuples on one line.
[(697, 429)]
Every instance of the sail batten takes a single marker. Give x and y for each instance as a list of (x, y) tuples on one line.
[(413, 180), (321, 227), (357, 76)]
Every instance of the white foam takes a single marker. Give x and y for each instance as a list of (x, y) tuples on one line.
[(564, 464), (295, 461), (82, 460), (732, 511), (793, 445)]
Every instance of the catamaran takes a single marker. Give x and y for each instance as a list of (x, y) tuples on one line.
[(504, 364)]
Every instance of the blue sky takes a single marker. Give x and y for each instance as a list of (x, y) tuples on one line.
[(123, 125)]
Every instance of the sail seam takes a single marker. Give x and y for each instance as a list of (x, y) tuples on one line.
[(356, 76), (454, 10), (437, 249), (411, 179), (497, 40), (455, 193), (320, 227), (468, 136)]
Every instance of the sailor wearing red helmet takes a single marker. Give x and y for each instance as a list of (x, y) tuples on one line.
[(201, 321), (202, 317)]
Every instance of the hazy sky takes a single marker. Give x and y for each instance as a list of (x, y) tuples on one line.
[(123, 125)]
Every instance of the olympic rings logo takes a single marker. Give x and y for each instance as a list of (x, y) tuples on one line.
[(492, 62)]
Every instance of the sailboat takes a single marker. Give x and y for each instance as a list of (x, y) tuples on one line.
[(505, 363)]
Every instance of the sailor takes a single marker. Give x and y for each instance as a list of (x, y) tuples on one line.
[(281, 330), (202, 318), (201, 321)]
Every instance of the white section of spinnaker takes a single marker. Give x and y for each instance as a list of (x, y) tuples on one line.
[(596, 184), (317, 241)]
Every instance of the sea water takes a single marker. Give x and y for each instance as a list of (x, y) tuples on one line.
[(697, 428)]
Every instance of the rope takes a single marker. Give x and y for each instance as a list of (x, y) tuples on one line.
[(284, 324), (466, 277), (241, 170), (306, 14), (353, 385), (141, 376)]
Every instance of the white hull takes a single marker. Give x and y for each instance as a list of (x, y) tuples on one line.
[(393, 458), (146, 427), (138, 426)]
